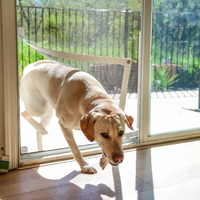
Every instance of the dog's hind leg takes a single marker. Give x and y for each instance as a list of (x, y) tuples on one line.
[(35, 124), (44, 122), (40, 127)]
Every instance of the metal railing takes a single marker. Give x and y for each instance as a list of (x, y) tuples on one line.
[(115, 33), (175, 50)]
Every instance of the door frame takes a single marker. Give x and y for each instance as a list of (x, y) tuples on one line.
[(9, 60), (8, 63)]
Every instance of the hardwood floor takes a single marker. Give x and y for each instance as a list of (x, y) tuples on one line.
[(162, 173)]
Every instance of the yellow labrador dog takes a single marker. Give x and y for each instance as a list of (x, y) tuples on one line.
[(80, 103)]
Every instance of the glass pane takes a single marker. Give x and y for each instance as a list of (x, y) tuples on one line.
[(87, 27), (175, 66)]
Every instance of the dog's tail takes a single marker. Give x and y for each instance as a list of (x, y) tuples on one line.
[(42, 62)]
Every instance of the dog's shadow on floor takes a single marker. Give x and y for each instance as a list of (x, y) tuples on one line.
[(78, 186), (87, 191)]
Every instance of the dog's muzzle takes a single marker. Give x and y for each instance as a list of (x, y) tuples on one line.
[(118, 158)]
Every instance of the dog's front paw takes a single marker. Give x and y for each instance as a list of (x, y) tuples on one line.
[(103, 162), (86, 168)]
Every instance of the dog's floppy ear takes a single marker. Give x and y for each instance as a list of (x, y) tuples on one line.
[(129, 121), (87, 126)]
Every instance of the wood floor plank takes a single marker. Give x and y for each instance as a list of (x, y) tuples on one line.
[(167, 172), (95, 188), (39, 181)]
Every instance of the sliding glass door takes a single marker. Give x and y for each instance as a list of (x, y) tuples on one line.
[(169, 56), (175, 66), (172, 71)]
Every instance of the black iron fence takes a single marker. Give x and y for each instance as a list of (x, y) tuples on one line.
[(175, 50), (175, 42), (112, 33)]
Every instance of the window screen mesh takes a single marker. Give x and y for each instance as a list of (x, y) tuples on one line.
[(113, 33)]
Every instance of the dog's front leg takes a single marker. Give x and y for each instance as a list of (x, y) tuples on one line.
[(85, 167), (103, 162)]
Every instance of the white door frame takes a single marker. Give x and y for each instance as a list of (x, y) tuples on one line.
[(145, 70), (10, 79)]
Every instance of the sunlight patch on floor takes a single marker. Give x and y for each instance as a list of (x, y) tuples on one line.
[(53, 172)]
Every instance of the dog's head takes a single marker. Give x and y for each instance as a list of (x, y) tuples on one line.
[(108, 131)]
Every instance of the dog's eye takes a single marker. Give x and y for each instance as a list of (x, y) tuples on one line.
[(105, 135), (121, 133)]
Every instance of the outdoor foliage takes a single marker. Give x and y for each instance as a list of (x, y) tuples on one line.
[(85, 31), (163, 79)]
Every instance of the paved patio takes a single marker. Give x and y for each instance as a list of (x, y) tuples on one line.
[(167, 114), (169, 111)]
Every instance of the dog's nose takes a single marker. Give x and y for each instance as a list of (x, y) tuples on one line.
[(118, 158)]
